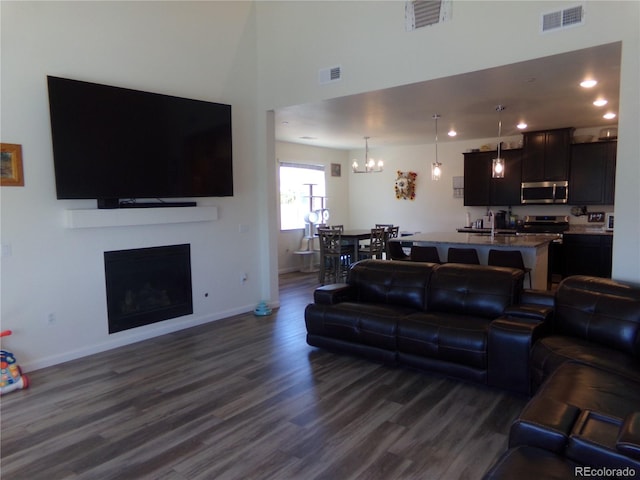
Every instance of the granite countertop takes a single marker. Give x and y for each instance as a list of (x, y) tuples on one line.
[(501, 231), (573, 230), (461, 238)]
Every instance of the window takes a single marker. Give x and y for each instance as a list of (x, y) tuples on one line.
[(295, 181)]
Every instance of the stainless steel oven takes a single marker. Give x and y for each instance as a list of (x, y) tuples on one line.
[(544, 192), (552, 227)]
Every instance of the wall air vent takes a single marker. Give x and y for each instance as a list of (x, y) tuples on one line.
[(569, 17), (423, 13), (330, 75)]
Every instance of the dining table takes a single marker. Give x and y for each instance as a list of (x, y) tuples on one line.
[(353, 237)]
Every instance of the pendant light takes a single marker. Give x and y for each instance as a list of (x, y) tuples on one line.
[(498, 167), (436, 167), (370, 164)]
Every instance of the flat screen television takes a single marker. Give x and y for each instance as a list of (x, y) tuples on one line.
[(112, 144)]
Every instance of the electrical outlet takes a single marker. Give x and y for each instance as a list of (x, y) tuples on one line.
[(51, 318)]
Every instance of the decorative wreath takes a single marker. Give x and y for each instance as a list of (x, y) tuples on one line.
[(405, 185)]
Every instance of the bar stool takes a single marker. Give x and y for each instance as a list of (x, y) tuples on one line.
[(508, 258), (424, 254), (395, 251), (463, 255)]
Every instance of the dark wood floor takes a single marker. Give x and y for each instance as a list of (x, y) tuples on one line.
[(247, 398)]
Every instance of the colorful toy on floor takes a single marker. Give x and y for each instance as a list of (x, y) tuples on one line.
[(11, 377)]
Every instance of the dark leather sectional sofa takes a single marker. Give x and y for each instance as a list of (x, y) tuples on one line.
[(575, 351)]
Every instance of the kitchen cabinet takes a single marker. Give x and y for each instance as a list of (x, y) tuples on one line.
[(587, 254), (477, 170), (545, 155), (592, 173), (480, 189)]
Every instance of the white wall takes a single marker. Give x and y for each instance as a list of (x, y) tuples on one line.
[(203, 50), (368, 40)]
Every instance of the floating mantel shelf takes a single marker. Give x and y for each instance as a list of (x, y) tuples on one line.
[(124, 217)]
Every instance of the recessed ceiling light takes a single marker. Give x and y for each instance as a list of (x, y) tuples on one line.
[(452, 133), (609, 115), (588, 83), (601, 102), (522, 125)]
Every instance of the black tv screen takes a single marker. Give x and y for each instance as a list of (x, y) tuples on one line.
[(114, 143)]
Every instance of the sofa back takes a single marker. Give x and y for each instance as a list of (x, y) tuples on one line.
[(601, 311), (391, 282), (478, 290)]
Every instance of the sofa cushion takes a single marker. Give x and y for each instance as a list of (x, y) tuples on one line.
[(363, 323), (474, 290), (391, 282), (601, 311), (550, 352), (548, 419), (447, 336)]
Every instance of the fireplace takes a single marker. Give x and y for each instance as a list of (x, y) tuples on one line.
[(147, 285)]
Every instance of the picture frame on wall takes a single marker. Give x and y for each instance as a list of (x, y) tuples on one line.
[(11, 172), (336, 170)]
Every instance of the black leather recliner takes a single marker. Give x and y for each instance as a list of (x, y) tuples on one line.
[(585, 365), (430, 316)]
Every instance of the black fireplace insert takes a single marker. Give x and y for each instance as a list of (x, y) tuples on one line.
[(147, 285)]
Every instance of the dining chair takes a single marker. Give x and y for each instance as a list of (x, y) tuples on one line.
[(508, 258), (332, 267), (391, 232), (463, 255), (375, 248), (421, 253), (384, 225), (347, 248)]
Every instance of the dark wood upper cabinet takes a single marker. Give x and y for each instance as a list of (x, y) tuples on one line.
[(592, 173), (477, 170), (545, 155), (480, 189), (506, 191)]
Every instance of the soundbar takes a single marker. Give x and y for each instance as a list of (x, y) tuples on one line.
[(111, 203)]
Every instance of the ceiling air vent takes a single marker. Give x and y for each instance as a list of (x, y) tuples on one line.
[(330, 75), (423, 13), (569, 17)]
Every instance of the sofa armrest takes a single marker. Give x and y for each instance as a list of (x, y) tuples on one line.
[(629, 437), (508, 349), (529, 311), (538, 297), (334, 293)]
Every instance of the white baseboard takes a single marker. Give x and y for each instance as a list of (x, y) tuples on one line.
[(135, 335)]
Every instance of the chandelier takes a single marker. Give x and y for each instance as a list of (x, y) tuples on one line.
[(436, 167), (370, 165)]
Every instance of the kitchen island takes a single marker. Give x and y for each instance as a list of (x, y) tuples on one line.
[(534, 249)]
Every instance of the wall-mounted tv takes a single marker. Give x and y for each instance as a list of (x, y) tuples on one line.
[(112, 144)]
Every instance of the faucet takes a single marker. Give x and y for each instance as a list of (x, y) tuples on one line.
[(492, 219)]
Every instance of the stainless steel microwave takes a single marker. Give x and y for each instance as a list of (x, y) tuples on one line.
[(544, 192)]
